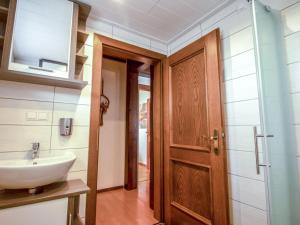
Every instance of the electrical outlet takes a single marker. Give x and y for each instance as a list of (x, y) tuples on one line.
[(31, 116), (42, 116)]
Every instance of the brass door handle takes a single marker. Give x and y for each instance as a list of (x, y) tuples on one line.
[(215, 140)]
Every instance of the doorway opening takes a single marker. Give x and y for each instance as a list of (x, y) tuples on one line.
[(134, 61), (125, 143)]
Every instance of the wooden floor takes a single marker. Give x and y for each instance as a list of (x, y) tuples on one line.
[(121, 207), (143, 173)]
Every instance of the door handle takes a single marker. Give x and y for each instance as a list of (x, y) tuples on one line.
[(215, 141), (256, 136)]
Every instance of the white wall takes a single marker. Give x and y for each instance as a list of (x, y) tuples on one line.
[(291, 24), (143, 96), (111, 165), (17, 133)]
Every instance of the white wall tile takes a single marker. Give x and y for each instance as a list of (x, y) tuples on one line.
[(79, 113), (186, 38), (241, 138), (90, 39), (248, 191), (294, 77), (73, 96), (88, 51), (78, 139), (120, 33), (243, 88), (238, 43), (297, 134), (20, 138), (296, 107), (291, 18), (293, 48), (87, 73), (240, 65), (26, 91), (99, 26), (78, 175), (243, 113), (246, 215), (239, 20), (15, 112), (243, 164)]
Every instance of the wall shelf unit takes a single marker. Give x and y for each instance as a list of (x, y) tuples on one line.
[(77, 59)]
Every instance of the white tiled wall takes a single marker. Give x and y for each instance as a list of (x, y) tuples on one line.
[(291, 24), (17, 132)]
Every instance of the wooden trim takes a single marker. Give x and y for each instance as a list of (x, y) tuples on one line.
[(110, 189), (157, 138), (191, 213), (144, 87), (189, 147), (8, 34), (128, 48), (92, 173), (166, 138), (50, 192), (110, 47)]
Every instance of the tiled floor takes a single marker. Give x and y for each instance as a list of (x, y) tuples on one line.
[(121, 207)]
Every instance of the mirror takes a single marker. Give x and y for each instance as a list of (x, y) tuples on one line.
[(42, 37)]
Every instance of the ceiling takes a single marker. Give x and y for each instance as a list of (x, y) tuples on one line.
[(162, 19)]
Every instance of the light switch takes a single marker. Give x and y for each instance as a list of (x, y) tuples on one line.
[(42, 116), (31, 116)]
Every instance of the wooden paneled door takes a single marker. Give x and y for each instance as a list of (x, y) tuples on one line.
[(195, 158)]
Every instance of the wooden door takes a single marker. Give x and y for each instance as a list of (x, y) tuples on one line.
[(195, 158)]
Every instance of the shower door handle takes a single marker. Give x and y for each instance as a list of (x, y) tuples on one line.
[(256, 136)]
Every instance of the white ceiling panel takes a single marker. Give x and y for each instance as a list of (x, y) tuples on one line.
[(162, 19)]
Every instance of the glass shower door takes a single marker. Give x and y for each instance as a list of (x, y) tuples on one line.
[(278, 134)]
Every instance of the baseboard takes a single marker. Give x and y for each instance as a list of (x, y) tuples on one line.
[(110, 189)]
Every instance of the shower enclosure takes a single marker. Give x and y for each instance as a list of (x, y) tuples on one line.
[(277, 133)]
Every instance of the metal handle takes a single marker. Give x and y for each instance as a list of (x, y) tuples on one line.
[(215, 140), (258, 165)]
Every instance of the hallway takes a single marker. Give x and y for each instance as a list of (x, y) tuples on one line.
[(121, 207)]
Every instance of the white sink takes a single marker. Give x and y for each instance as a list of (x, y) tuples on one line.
[(18, 174)]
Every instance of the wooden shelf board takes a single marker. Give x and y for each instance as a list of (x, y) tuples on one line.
[(3, 13), (54, 191), (1, 40), (42, 79), (82, 36), (80, 59)]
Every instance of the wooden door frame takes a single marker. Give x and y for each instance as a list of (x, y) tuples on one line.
[(108, 47)]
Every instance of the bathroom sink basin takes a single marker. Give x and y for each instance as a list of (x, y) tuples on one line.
[(19, 174)]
